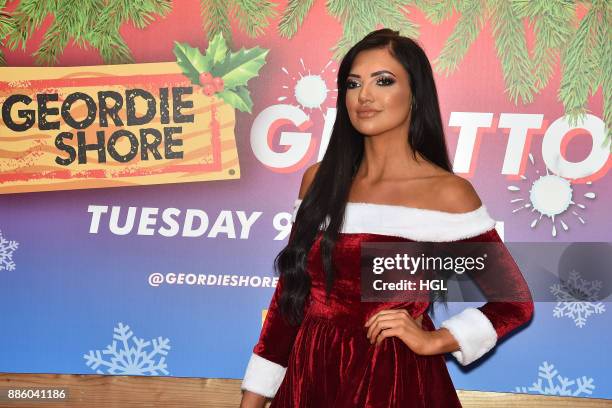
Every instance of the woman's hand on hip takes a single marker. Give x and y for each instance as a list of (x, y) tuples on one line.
[(398, 323)]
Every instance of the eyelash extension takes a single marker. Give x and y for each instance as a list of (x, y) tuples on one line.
[(387, 81)]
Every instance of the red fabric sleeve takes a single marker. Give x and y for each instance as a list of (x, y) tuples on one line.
[(506, 315), (277, 335)]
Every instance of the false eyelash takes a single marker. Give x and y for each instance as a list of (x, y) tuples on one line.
[(389, 81)]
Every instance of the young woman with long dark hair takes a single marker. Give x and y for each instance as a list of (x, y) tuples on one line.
[(385, 177)]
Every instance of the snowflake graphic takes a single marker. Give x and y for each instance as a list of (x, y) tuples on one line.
[(6, 253), (558, 385), (130, 360), (576, 298)]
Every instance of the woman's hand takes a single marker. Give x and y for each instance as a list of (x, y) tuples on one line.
[(399, 323)]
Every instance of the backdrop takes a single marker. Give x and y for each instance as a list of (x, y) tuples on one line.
[(143, 200)]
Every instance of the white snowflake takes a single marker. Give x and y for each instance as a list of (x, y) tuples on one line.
[(6, 253), (568, 294), (558, 385), (130, 360)]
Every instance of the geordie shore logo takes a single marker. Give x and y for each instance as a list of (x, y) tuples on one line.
[(122, 125)]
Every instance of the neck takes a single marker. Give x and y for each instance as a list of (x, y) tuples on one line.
[(388, 156)]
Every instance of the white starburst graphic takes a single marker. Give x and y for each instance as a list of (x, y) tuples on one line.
[(7, 247), (552, 196), (310, 90), (136, 360), (577, 298), (551, 383)]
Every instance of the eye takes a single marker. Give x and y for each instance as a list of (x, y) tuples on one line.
[(350, 84), (385, 81), (382, 81)]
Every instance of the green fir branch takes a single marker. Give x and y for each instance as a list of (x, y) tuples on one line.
[(552, 25), (28, 16), (105, 36), (392, 15), (143, 13), (579, 68), (91, 22), (72, 20), (215, 19), (6, 26), (467, 29), (336, 8), (438, 11), (511, 46), (605, 63), (358, 18), (293, 17), (601, 11), (358, 22), (253, 15)]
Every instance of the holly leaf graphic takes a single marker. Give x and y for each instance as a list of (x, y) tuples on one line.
[(191, 61), (217, 49), (239, 67), (238, 98)]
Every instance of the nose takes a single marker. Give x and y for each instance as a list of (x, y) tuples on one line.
[(364, 94)]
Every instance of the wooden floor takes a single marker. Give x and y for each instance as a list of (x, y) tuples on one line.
[(131, 391)]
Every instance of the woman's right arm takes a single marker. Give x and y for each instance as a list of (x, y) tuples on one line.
[(266, 368)]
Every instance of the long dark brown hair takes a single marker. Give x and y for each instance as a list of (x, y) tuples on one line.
[(328, 194)]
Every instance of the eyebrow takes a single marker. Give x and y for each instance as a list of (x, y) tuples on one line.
[(373, 74)]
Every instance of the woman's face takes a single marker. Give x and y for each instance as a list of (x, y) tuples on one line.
[(378, 95)]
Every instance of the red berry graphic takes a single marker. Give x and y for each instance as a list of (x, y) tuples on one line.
[(218, 83), (205, 78), (209, 90)]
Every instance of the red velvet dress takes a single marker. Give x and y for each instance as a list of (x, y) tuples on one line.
[(328, 361)]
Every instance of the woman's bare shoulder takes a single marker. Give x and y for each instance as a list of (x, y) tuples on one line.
[(456, 194), (307, 179)]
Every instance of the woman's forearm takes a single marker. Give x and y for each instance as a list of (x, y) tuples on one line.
[(252, 400), (444, 341)]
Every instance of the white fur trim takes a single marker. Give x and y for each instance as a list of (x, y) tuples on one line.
[(263, 376), (412, 223), (474, 332)]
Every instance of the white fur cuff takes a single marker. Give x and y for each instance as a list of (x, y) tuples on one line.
[(412, 223), (262, 376), (474, 332)]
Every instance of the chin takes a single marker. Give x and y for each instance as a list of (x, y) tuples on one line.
[(370, 131)]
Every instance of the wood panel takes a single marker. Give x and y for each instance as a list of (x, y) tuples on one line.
[(97, 391)]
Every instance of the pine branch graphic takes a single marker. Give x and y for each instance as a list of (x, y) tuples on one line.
[(92, 22), (466, 31), (582, 48), (253, 16), (552, 25), (294, 17), (511, 46), (361, 17)]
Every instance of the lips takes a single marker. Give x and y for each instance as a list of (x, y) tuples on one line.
[(366, 113)]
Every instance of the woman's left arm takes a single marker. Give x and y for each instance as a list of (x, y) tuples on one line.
[(471, 333), (477, 330)]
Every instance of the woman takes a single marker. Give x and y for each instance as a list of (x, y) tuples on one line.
[(385, 177)]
